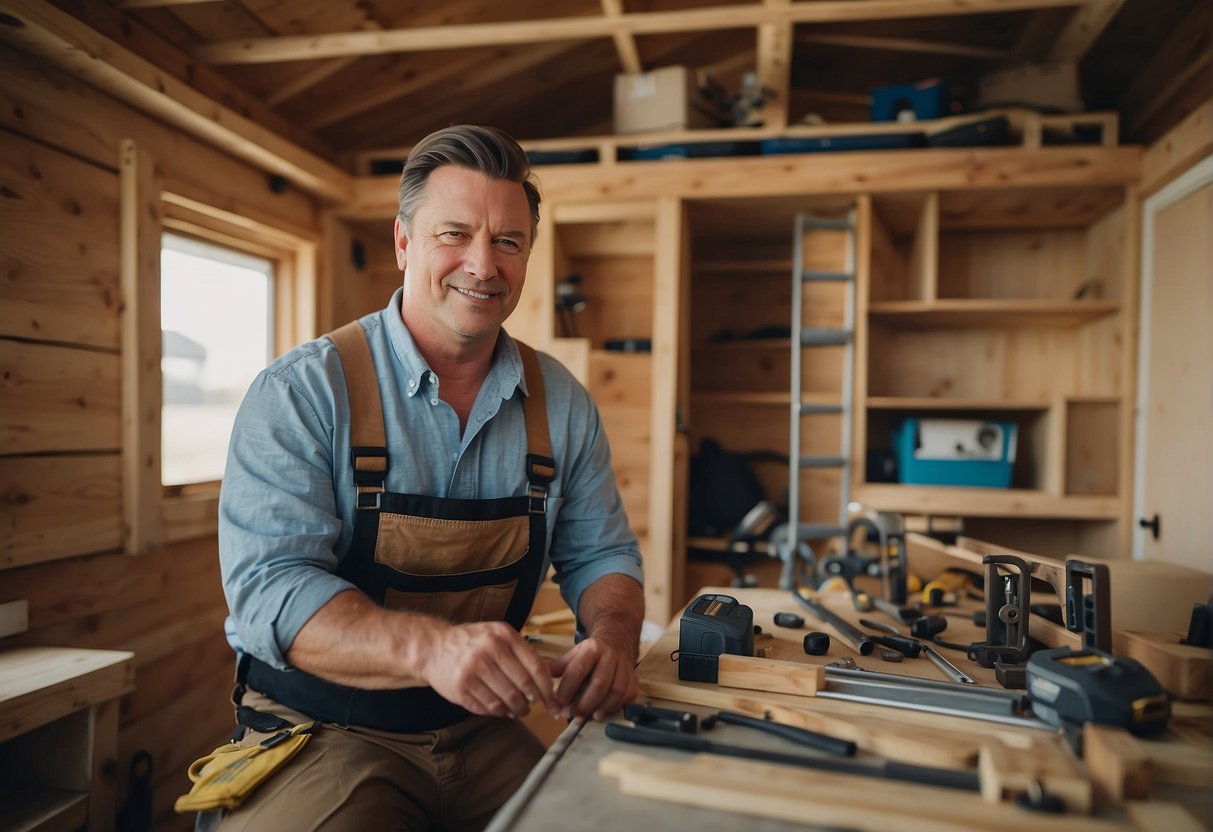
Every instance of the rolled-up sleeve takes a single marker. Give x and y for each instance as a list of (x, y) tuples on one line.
[(592, 537), (278, 521)]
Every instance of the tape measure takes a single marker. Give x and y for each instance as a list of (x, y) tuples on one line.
[(711, 625), (1071, 687)]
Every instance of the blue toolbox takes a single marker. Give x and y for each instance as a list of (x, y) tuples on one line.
[(969, 452)]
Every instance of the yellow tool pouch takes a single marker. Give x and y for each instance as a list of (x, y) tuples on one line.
[(224, 778)]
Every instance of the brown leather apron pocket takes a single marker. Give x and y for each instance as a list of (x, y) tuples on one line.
[(486, 603), (427, 546)]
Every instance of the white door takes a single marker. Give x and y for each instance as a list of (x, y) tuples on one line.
[(1174, 471)]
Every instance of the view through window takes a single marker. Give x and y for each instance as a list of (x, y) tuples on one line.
[(216, 317)]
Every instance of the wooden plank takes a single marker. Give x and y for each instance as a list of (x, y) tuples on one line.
[(832, 800), (1182, 147), (421, 38), (103, 761), (1084, 27), (142, 384), (52, 106), (59, 399), (1184, 670), (625, 43), (67, 42), (1007, 772), (59, 254), (1184, 54), (1118, 766), (67, 590), (770, 675), (773, 57), (917, 45), (1154, 814), (14, 617), (59, 507), (845, 173), (41, 684)]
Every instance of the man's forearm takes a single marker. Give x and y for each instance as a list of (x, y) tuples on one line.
[(612, 609), (353, 641)]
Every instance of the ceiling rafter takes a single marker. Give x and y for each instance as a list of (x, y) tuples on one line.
[(926, 47), (155, 4), (625, 42), (1084, 27), (429, 38)]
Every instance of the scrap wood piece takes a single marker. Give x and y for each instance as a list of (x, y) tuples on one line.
[(1152, 815), (1184, 670), (1118, 765), (1007, 772), (827, 799), (770, 675)]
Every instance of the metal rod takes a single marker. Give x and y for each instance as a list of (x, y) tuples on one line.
[(952, 671), (509, 812), (851, 634)]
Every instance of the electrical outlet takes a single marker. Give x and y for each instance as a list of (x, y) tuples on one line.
[(14, 617)]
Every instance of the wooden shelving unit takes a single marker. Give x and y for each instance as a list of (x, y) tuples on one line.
[(986, 312)]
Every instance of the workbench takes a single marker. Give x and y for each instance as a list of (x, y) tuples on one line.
[(663, 789)]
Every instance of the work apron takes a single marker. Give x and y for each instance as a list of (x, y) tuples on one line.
[(459, 560)]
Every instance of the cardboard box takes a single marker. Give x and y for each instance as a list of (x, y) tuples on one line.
[(664, 99), (1049, 87)]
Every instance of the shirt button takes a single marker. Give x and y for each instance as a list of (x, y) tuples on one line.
[(412, 382), (433, 401), (479, 417), (433, 379)]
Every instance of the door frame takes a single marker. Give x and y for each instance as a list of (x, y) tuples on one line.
[(1191, 180)]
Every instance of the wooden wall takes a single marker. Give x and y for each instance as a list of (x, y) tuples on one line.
[(61, 508)]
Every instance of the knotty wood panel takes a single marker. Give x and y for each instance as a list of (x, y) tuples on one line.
[(58, 399), (59, 507), (619, 290), (754, 371), (59, 251), (70, 590)]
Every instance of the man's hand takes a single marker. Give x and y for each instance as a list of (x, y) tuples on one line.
[(489, 669), (598, 676), (596, 679)]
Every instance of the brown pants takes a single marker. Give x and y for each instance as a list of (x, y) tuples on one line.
[(360, 779)]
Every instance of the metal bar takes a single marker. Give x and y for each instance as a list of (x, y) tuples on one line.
[(851, 634)]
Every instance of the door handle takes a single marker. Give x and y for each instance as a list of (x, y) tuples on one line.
[(1152, 524)]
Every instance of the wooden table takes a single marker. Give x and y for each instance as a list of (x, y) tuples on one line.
[(662, 789), (59, 736)]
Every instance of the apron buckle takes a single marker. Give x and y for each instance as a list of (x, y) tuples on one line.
[(369, 500), (538, 497)]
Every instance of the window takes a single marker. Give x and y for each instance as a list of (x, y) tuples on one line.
[(217, 323)]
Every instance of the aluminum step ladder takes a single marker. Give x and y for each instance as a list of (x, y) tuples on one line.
[(798, 534)]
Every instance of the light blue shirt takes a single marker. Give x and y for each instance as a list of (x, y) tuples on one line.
[(286, 508)]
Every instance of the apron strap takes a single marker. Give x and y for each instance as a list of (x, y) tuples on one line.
[(540, 466), (368, 443)]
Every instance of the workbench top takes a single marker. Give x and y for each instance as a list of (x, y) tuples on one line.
[(663, 789)]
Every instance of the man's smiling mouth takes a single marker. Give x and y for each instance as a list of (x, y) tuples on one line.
[(473, 294)]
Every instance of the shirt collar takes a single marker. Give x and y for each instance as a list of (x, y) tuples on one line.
[(505, 373)]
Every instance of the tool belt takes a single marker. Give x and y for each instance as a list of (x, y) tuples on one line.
[(224, 778)]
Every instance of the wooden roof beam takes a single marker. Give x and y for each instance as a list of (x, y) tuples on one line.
[(41, 29), (924, 47), (625, 42), (430, 38), (1085, 26), (154, 4), (1185, 53)]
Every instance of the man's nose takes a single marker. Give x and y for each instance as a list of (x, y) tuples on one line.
[(479, 261)]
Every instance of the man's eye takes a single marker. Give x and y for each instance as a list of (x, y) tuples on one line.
[(508, 243), (453, 235)]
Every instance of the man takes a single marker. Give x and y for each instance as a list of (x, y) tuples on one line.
[(394, 493)]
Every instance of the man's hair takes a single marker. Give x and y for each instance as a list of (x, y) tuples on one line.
[(486, 150)]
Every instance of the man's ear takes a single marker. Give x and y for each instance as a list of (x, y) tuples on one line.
[(400, 242)]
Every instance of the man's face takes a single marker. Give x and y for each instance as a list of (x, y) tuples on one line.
[(465, 261)]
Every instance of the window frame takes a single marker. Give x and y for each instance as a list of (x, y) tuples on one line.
[(191, 510)]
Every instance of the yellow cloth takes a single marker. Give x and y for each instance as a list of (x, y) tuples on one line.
[(224, 778)]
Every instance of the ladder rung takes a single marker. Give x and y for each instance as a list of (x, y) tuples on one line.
[(822, 462), (835, 225), (826, 277), (806, 409), (821, 337)]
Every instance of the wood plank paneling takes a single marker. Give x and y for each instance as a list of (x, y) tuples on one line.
[(58, 398), (59, 507), (59, 251), (71, 590)]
